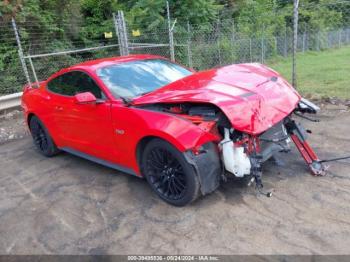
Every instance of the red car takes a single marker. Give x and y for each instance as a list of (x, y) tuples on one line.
[(184, 131)]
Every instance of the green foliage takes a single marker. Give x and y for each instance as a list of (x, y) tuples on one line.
[(262, 17), (55, 25), (322, 74)]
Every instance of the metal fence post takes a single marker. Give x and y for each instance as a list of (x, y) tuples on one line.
[(189, 52), (232, 42), (295, 41), (276, 45), (250, 50), (262, 44), (20, 52), (125, 33), (285, 43), (328, 40), (171, 36), (262, 49), (233, 30), (115, 22), (218, 40), (122, 33), (307, 43), (33, 70)]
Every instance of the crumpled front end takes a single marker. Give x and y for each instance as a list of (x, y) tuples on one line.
[(266, 100), (244, 154), (241, 152), (248, 108), (252, 96)]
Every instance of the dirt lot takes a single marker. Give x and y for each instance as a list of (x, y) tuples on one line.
[(66, 205)]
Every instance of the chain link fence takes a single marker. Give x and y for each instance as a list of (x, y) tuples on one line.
[(11, 74), (199, 46)]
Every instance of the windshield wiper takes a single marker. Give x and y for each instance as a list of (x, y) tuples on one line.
[(127, 101), (145, 93)]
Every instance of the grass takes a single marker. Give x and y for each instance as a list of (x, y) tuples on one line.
[(319, 74)]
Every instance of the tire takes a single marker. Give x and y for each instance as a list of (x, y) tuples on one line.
[(170, 176), (41, 138)]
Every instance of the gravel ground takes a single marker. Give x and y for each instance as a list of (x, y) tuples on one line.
[(12, 126), (67, 205)]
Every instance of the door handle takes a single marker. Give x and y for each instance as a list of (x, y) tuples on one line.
[(59, 108)]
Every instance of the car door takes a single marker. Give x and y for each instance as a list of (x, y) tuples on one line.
[(86, 128)]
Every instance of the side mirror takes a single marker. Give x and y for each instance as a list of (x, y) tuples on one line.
[(85, 98)]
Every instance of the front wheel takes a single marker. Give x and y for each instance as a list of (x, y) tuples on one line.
[(42, 138), (171, 177)]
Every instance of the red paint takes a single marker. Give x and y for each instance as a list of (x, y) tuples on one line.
[(112, 130), (85, 98), (301, 149), (245, 93)]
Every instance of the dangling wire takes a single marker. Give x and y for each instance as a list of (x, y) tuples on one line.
[(334, 159)]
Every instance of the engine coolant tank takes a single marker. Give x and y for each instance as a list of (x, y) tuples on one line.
[(235, 160)]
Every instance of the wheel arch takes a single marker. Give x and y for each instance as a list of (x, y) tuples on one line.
[(207, 165), (142, 143), (29, 117), (140, 148)]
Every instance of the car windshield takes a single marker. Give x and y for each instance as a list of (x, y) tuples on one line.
[(135, 78)]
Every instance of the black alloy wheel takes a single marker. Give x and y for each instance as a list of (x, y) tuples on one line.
[(41, 137), (169, 174)]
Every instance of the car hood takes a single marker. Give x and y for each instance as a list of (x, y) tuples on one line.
[(252, 96)]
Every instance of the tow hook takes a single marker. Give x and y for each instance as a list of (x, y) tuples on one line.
[(259, 186)]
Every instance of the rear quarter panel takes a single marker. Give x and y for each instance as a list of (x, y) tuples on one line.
[(36, 100)]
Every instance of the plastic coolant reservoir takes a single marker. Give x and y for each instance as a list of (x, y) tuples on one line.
[(235, 160)]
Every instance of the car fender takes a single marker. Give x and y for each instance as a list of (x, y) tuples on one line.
[(179, 132), (206, 161), (136, 124), (191, 139)]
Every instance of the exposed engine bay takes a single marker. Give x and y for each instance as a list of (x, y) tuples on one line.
[(243, 154)]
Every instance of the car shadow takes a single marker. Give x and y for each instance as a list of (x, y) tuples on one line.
[(231, 191)]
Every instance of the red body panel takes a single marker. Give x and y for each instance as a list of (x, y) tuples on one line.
[(113, 130), (253, 97)]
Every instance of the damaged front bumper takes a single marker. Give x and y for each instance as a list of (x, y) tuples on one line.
[(244, 157), (207, 164)]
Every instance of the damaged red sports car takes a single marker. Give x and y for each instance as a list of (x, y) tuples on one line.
[(184, 131)]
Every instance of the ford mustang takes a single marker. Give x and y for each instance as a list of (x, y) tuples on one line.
[(184, 131)]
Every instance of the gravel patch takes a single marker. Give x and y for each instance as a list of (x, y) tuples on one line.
[(12, 126)]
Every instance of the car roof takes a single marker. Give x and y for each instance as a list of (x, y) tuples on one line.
[(93, 65)]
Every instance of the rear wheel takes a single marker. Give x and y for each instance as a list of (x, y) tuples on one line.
[(170, 176), (41, 138)]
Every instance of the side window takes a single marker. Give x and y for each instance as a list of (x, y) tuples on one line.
[(73, 83), (63, 85), (86, 84)]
